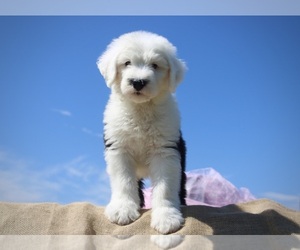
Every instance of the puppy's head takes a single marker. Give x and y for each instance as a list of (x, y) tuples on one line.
[(141, 65)]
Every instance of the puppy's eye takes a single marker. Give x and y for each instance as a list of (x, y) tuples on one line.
[(127, 63), (154, 65)]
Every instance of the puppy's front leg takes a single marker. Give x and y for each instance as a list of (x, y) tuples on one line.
[(124, 204), (165, 175)]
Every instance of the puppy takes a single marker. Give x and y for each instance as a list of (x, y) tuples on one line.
[(142, 129)]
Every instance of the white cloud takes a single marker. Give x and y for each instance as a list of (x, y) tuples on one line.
[(281, 197), (90, 132), (74, 180), (20, 183), (288, 200), (62, 112)]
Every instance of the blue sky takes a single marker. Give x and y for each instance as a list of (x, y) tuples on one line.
[(239, 102)]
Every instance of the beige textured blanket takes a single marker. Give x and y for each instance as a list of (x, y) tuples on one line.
[(260, 217)]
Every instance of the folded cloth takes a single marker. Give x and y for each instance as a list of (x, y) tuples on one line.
[(208, 187), (260, 217)]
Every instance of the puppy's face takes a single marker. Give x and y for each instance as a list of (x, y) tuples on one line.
[(140, 66), (143, 75)]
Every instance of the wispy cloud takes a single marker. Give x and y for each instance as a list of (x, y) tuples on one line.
[(20, 183), (62, 112), (288, 200), (90, 132), (75, 180), (281, 197)]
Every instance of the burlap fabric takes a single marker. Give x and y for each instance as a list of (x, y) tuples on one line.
[(260, 217)]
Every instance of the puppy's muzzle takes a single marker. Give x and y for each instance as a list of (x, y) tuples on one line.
[(138, 84)]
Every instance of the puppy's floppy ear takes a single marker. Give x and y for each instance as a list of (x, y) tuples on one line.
[(107, 64), (177, 70)]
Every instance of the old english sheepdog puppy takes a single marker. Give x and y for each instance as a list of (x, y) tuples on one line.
[(142, 129)]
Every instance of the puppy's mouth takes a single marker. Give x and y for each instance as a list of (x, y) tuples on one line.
[(139, 97)]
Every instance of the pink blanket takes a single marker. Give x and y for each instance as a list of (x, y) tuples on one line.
[(208, 187)]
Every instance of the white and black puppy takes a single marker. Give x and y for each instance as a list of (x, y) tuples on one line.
[(142, 129)]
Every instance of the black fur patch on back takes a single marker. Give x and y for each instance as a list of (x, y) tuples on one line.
[(141, 194), (107, 144), (181, 147)]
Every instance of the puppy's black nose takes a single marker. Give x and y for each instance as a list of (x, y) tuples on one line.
[(138, 84)]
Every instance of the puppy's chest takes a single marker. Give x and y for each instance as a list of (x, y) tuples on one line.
[(142, 129), (139, 131)]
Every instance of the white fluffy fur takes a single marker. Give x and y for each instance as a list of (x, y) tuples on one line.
[(141, 126)]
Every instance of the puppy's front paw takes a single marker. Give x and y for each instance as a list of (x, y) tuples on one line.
[(121, 212), (166, 219)]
